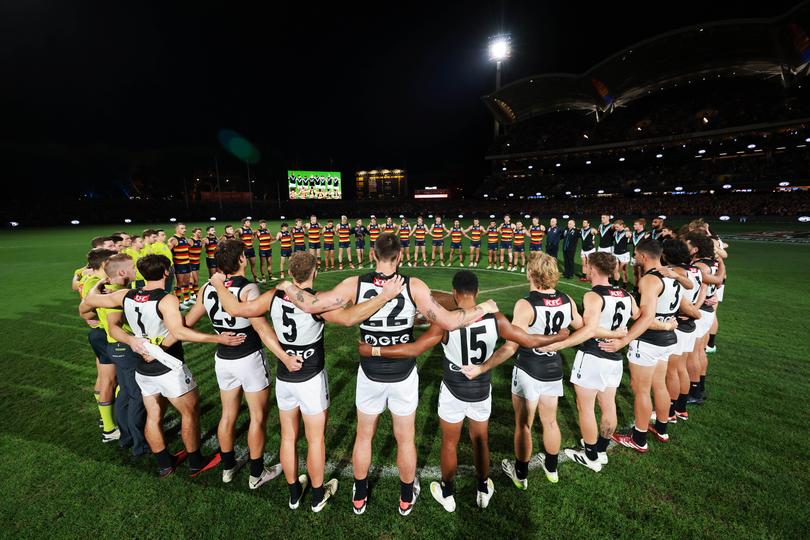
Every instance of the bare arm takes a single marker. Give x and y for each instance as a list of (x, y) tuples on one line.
[(170, 308), (252, 308), (97, 299), (521, 319), (687, 308), (351, 314), (321, 301), (517, 335), (649, 287), (115, 321), (197, 311), (678, 274), (593, 306), (448, 320), (445, 300), (429, 339)]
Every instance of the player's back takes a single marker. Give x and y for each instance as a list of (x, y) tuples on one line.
[(617, 306), (551, 313), (222, 321), (300, 334), (464, 346)]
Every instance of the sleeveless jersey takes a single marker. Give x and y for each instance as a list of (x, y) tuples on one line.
[(180, 251), (711, 289), (314, 233), (507, 232), (300, 334), (587, 239), (343, 231), (687, 324), (620, 243), (329, 236), (638, 237), (373, 232), (536, 234), (455, 235), (404, 232), (194, 251), (419, 232), (437, 229), (223, 322), (389, 228), (285, 239), (605, 235), (471, 345), (391, 325), (492, 235), (520, 237), (299, 236), (617, 308), (143, 316), (246, 236), (476, 232), (552, 313), (211, 247), (265, 239), (666, 307)]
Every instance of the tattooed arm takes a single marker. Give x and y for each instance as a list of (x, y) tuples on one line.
[(352, 314), (436, 314), (342, 297)]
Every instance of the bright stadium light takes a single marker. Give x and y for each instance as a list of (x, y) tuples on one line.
[(511, 194), (784, 184), (486, 195), (526, 216), (430, 215), (538, 193), (283, 217), (566, 216), (678, 188), (588, 162), (401, 216), (557, 164), (621, 159), (659, 156), (531, 167), (249, 217), (127, 220), (804, 219), (74, 222), (807, 139), (726, 186), (662, 216), (637, 190), (461, 216), (212, 218), (492, 216), (601, 191), (701, 151), (172, 219), (13, 223), (503, 169), (568, 193), (724, 218), (750, 146), (500, 47)]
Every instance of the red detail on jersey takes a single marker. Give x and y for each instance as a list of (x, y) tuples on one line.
[(619, 293), (379, 282), (228, 283), (552, 302), (141, 298)]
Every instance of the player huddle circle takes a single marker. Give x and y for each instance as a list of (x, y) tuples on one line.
[(140, 310)]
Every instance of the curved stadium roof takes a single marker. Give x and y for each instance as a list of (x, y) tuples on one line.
[(742, 47)]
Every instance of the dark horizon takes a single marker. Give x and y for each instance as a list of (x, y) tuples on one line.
[(98, 95)]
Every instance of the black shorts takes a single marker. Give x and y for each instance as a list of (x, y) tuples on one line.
[(182, 269), (286, 252), (359, 244), (297, 248), (211, 263), (250, 253), (265, 253), (194, 267), (98, 342)]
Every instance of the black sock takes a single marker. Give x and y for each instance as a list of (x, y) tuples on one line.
[(712, 337), (360, 489), (447, 488), (639, 437), (406, 491), (482, 485), (165, 459), (672, 408), (551, 461), (602, 444), (256, 467), (228, 459), (591, 452), (694, 389), (317, 495), (702, 383), (295, 490), (195, 459), (680, 403), (522, 469), (660, 427)]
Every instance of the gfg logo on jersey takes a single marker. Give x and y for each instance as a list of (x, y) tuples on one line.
[(383, 341), (307, 353)]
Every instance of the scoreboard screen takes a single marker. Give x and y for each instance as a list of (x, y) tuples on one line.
[(314, 185)]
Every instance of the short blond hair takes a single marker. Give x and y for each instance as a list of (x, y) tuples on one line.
[(542, 270)]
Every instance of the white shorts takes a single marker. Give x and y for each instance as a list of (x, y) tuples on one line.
[(720, 290), (623, 258), (373, 397), (594, 372), (686, 341), (454, 410), (608, 249), (169, 385), (311, 396), (585, 254), (249, 372), (529, 388), (704, 323), (645, 354)]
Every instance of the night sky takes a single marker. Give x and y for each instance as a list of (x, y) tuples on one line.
[(94, 92)]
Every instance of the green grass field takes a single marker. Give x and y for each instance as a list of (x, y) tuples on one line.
[(737, 469)]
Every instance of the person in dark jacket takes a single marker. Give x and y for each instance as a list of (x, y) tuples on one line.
[(569, 241), (553, 237)]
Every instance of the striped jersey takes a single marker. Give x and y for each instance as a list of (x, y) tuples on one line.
[(419, 232), (329, 235), (536, 233), (314, 233), (507, 232), (492, 235), (246, 235), (194, 251), (404, 231), (211, 247), (476, 232), (344, 232), (180, 251), (455, 235), (299, 236), (285, 239), (520, 237), (373, 231), (265, 239)]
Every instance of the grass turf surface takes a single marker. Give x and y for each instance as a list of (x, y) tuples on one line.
[(738, 467)]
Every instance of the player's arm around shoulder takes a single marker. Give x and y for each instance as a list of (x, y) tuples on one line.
[(429, 339), (97, 299), (435, 313), (323, 301), (197, 311), (592, 307), (352, 313), (255, 307), (170, 309), (521, 319)]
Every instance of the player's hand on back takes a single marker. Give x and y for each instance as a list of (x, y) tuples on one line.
[(217, 278), (490, 306), (139, 346), (667, 272), (612, 345), (364, 349), (284, 285), (230, 339), (292, 362), (471, 371), (393, 287)]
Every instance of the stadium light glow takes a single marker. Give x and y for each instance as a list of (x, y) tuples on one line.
[(538, 193), (566, 216), (430, 216), (678, 188), (175, 219), (511, 194), (500, 47), (807, 139), (784, 184), (662, 217), (212, 218), (249, 217), (127, 220), (601, 191), (401, 216), (283, 217), (486, 195), (461, 216), (503, 169), (588, 162), (701, 151), (531, 167), (752, 145), (659, 156), (492, 216), (13, 223), (705, 120), (804, 219), (568, 193), (637, 190), (724, 218), (557, 164), (526, 216), (74, 222), (726, 186), (621, 159)]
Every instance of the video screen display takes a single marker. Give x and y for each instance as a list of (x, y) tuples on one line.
[(314, 185)]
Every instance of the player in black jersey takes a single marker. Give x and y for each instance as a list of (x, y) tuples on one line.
[(240, 369), (155, 319), (652, 340), (381, 383), (360, 232), (606, 238), (464, 394), (637, 235), (301, 385), (587, 233), (621, 239)]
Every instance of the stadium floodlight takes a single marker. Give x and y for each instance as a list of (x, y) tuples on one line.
[(751, 146), (705, 120), (538, 193), (503, 169), (13, 223), (662, 216), (74, 221), (249, 217), (678, 188), (430, 215), (621, 159), (172, 219), (659, 156), (526, 216), (807, 139), (531, 167), (492, 216), (127, 220), (486, 196), (500, 47), (568, 193), (401, 216), (566, 216), (511, 194), (784, 184), (724, 218), (461, 216), (601, 191), (804, 219), (726, 186), (588, 162), (701, 151), (557, 164), (212, 218), (637, 190)]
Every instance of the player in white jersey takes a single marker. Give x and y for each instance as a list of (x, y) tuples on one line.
[(240, 369), (302, 388), (464, 395), (381, 383), (652, 340), (596, 374), (154, 317)]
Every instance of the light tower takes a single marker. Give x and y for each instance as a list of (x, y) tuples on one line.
[(500, 47)]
